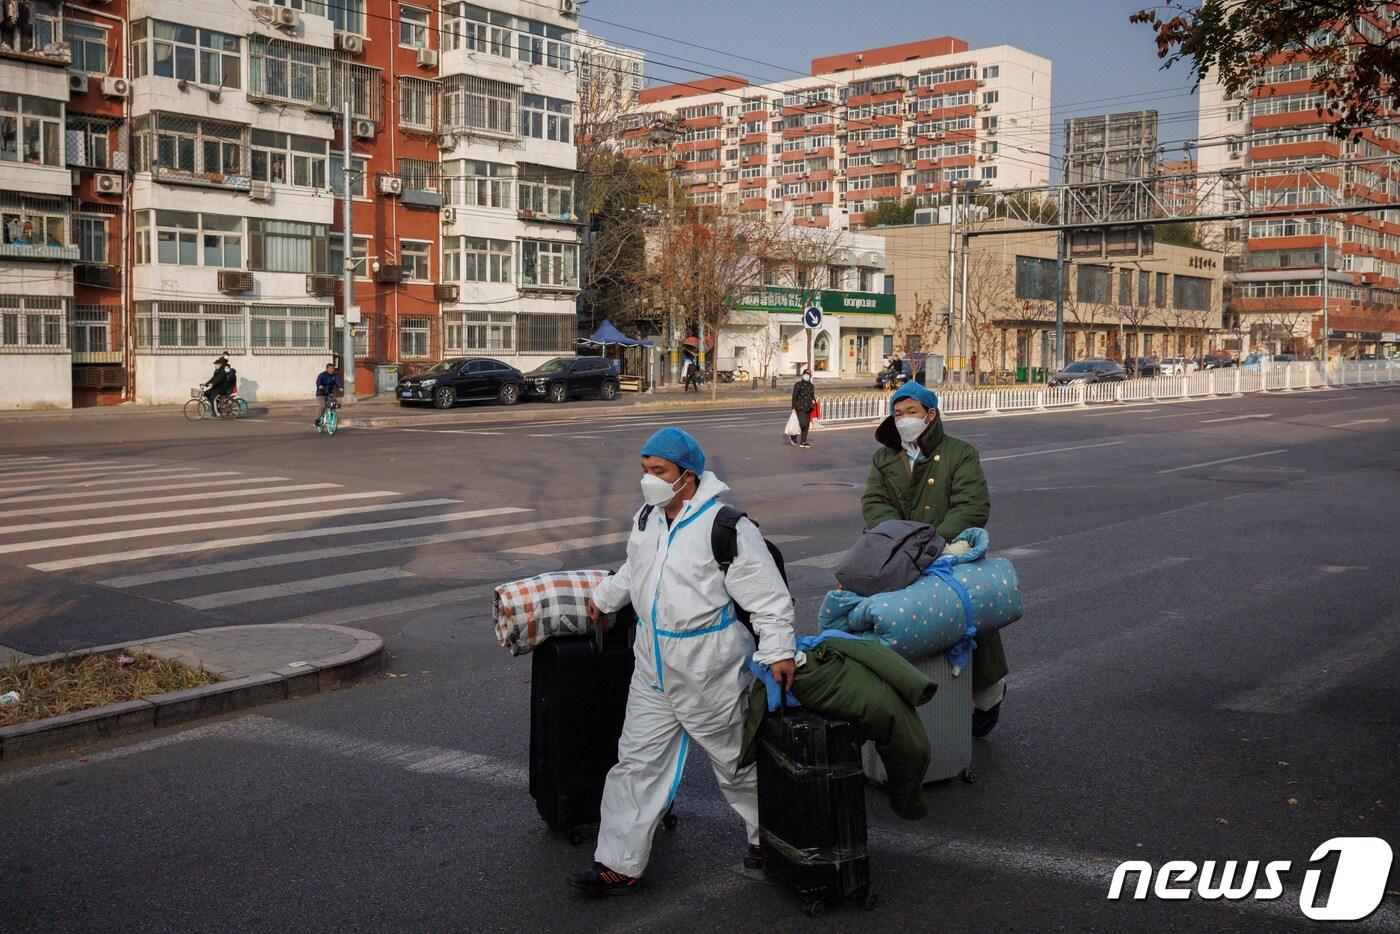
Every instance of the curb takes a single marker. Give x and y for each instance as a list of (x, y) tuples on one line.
[(295, 679), (554, 414)]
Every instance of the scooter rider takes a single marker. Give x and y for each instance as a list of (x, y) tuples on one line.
[(222, 383), (690, 677)]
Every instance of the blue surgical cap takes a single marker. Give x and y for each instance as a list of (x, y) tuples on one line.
[(918, 392), (678, 447)]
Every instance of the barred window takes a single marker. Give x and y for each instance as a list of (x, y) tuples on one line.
[(183, 326), (296, 327), (414, 337), (32, 323), (419, 174), (546, 333), (178, 147), (479, 105), (480, 332), (289, 71), (418, 103)]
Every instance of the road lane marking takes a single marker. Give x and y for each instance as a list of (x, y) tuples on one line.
[(222, 508), (341, 551), (1235, 418), (827, 561), (1224, 460), (457, 596), (1362, 421), (1132, 410), (142, 488), (172, 473), (450, 431), (1290, 691), (1183, 414), (68, 564), (1077, 447), (93, 467), (150, 500), (227, 598), (161, 530), (573, 544)]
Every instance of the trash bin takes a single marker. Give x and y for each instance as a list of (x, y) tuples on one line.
[(386, 377), (1022, 373), (1038, 374)]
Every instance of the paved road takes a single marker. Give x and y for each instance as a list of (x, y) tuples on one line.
[(1211, 635)]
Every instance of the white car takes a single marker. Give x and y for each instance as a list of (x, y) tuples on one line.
[(1178, 366)]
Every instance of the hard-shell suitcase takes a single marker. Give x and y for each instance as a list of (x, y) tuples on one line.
[(578, 702), (948, 721), (811, 809)]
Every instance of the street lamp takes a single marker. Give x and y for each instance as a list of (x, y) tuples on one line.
[(664, 132), (968, 186)]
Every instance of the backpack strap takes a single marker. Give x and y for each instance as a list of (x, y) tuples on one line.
[(643, 516), (724, 536)]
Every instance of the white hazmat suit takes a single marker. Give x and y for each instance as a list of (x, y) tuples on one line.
[(690, 677)]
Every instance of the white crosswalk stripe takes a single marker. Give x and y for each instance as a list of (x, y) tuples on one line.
[(214, 601), (77, 468), (71, 485), (151, 500), (220, 509)]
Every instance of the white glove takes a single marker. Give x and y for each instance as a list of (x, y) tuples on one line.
[(956, 548)]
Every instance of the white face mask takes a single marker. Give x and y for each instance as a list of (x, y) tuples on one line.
[(806, 377), (910, 428), (657, 492)]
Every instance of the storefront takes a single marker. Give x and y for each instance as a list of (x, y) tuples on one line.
[(850, 342)]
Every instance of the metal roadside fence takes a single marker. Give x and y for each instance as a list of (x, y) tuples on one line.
[(1204, 384)]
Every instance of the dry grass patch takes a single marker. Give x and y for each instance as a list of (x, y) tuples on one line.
[(53, 688)]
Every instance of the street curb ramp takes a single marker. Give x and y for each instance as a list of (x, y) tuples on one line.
[(237, 689)]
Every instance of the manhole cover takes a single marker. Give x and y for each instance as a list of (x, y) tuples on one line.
[(470, 567), (829, 485)]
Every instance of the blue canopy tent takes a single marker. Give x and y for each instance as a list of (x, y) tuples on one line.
[(609, 336)]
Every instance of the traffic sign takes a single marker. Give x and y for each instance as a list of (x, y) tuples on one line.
[(812, 317)]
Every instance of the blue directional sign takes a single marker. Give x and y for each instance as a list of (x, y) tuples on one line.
[(812, 317)]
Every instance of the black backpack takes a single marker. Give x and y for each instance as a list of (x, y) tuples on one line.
[(724, 543)]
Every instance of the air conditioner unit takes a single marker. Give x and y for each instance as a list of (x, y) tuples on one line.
[(321, 286), (568, 7), (388, 273), (235, 281), (362, 129), (991, 131), (286, 18), (427, 58), (77, 84), (447, 140), (449, 216), (350, 42), (981, 83), (1236, 153), (445, 292), (105, 183), (265, 12), (908, 189), (390, 185), (983, 158), (260, 191), (984, 107), (115, 87)]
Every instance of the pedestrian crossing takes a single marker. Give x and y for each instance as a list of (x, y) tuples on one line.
[(766, 420), (244, 546)]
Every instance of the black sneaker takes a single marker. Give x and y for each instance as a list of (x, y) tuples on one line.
[(600, 881), (753, 857), (984, 721), (804, 444)]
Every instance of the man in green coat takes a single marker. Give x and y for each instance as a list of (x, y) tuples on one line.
[(921, 474)]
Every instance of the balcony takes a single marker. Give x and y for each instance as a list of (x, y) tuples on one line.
[(34, 251), (37, 36)]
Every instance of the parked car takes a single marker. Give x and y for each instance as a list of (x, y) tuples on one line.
[(1257, 360), (1142, 366), (565, 378), (462, 379), (1091, 370), (1217, 361), (1179, 366)]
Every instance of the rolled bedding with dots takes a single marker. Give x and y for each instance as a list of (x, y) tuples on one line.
[(929, 616)]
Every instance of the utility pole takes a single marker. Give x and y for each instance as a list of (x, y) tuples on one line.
[(1060, 289), (952, 266), (962, 314), (347, 249), (1326, 335)]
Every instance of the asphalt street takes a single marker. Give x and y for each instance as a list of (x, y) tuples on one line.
[(1206, 668)]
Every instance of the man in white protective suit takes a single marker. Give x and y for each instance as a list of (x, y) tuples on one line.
[(690, 679)]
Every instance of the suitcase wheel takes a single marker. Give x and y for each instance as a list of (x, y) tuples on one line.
[(969, 776), (815, 908), (670, 821), (866, 899)]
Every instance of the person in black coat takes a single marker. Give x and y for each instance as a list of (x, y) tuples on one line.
[(222, 383), (804, 400)]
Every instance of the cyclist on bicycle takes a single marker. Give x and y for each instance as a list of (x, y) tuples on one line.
[(328, 386), (222, 383)]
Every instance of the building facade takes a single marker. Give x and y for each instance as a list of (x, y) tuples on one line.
[(1176, 185), (609, 76), (1168, 303), (172, 175), (1278, 265), (903, 121)]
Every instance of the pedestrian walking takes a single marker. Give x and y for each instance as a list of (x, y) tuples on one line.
[(691, 672), (804, 402), (692, 375)]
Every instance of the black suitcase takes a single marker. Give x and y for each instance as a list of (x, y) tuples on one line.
[(578, 701), (811, 809)]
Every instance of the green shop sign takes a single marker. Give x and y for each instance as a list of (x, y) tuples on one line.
[(774, 298)]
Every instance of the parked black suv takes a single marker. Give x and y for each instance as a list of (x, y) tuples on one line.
[(1142, 366), (1090, 370), (462, 379), (565, 378)]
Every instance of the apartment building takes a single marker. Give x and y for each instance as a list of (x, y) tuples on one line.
[(908, 120), (202, 211), (1275, 285), (609, 76), (1176, 185)]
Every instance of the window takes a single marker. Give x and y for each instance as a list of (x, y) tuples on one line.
[(314, 7), (480, 105), (989, 171), (186, 238), (31, 321), (214, 325), (413, 27), (360, 257), (1125, 286), (287, 246), (186, 147), (991, 97), (348, 15), (865, 279), (473, 259), (549, 264), (1144, 279), (358, 173), (478, 30), (220, 59), (551, 196), (419, 174), (991, 71), (92, 239), (288, 71), (418, 103), (90, 329), (1036, 278), (413, 255), (1190, 293), (297, 327), (413, 336), (989, 148), (546, 333), (539, 44), (478, 184), (88, 42), (1092, 284), (990, 123), (169, 50), (31, 130), (1161, 291), (478, 331), (546, 118), (288, 159), (93, 142)]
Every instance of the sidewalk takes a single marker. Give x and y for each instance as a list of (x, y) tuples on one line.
[(254, 664)]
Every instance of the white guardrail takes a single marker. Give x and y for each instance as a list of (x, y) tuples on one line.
[(1232, 381)]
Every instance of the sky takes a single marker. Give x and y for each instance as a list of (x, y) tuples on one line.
[(1101, 63)]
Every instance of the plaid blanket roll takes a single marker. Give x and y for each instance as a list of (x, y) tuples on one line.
[(529, 611)]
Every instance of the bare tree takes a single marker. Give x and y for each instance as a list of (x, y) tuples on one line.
[(1133, 317), (919, 324), (991, 296)]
